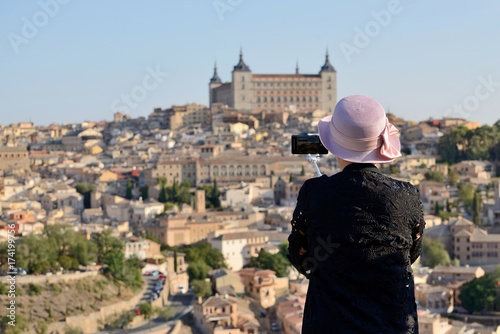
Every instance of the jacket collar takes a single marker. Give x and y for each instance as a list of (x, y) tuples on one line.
[(361, 167)]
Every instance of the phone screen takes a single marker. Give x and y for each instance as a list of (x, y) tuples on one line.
[(307, 144)]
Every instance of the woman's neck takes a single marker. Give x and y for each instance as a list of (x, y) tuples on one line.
[(342, 163)]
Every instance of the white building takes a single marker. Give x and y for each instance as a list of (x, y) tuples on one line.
[(239, 247), (245, 193)]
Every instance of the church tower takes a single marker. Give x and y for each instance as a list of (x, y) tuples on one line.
[(242, 86), (328, 86), (215, 82)]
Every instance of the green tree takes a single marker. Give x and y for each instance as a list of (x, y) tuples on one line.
[(68, 262), (434, 175), (452, 176), (144, 192), (466, 192), (175, 260), (203, 251), (265, 260), (3, 289), (85, 189), (302, 171), (146, 310), (216, 196), (162, 197), (480, 294), (437, 208), (434, 254), (202, 288), (394, 170), (164, 312), (151, 236), (291, 178), (284, 248), (476, 207), (128, 191), (85, 251), (198, 270), (37, 254), (451, 145)]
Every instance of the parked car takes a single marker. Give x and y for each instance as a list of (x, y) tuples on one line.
[(274, 327), (137, 311), (155, 273)]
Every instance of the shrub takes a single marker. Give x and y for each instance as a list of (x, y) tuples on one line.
[(34, 289)]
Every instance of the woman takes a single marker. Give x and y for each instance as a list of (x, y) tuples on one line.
[(355, 234)]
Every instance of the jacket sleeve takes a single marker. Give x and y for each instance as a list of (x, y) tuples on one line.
[(297, 238), (417, 232)]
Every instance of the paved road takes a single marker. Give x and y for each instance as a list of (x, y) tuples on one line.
[(151, 283), (181, 304)]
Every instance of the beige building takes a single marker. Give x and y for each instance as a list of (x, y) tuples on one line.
[(276, 92), (223, 168), (178, 281), (475, 169), (263, 285), (225, 281), (81, 140), (433, 297), (178, 116), (13, 157), (409, 162), (443, 275), (290, 313), (494, 210), (219, 315), (141, 248), (466, 242)]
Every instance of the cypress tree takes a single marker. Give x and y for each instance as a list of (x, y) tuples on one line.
[(175, 260), (128, 193)]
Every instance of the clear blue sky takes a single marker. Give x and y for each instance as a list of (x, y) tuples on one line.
[(428, 57)]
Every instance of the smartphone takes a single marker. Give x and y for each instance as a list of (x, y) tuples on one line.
[(307, 144)]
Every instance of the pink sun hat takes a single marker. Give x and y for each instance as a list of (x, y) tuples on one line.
[(359, 131)]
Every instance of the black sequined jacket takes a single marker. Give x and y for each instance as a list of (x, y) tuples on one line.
[(362, 230)]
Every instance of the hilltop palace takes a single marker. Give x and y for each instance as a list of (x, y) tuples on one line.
[(276, 92)]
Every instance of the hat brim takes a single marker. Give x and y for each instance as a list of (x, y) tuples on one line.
[(372, 156)]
